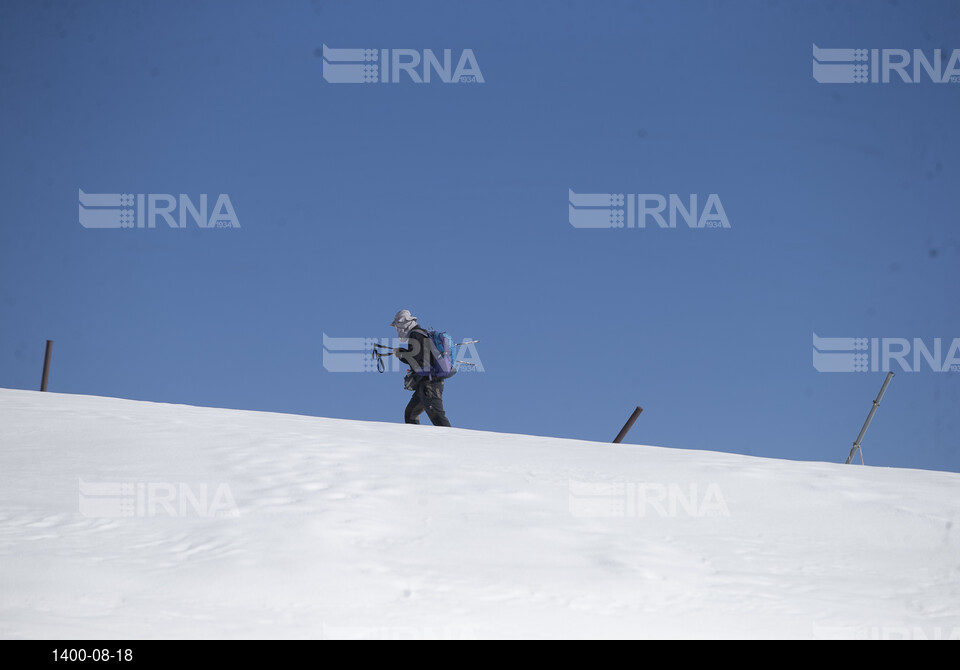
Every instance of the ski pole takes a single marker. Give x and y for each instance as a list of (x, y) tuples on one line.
[(460, 345), (380, 354)]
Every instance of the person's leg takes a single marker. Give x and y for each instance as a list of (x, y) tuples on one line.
[(432, 399), (414, 408)]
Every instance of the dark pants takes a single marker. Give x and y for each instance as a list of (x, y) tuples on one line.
[(427, 397)]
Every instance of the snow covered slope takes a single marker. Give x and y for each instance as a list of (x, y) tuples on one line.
[(123, 519)]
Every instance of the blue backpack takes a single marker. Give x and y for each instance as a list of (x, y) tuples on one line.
[(442, 355)]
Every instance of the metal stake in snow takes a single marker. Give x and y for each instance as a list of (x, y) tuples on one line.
[(628, 425), (46, 365), (876, 404)]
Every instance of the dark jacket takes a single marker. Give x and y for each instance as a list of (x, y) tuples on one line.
[(417, 353)]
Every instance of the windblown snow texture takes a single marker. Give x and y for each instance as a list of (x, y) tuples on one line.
[(239, 524)]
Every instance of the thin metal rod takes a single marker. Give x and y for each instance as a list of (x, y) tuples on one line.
[(628, 425), (876, 403), (46, 365)]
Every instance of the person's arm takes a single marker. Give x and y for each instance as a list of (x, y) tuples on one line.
[(413, 355)]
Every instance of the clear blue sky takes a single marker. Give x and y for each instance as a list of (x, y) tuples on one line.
[(451, 200)]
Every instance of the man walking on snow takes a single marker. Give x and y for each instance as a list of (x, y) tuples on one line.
[(427, 392)]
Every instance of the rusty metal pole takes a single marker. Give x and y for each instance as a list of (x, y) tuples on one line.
[(628, 425), (46, 365)]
